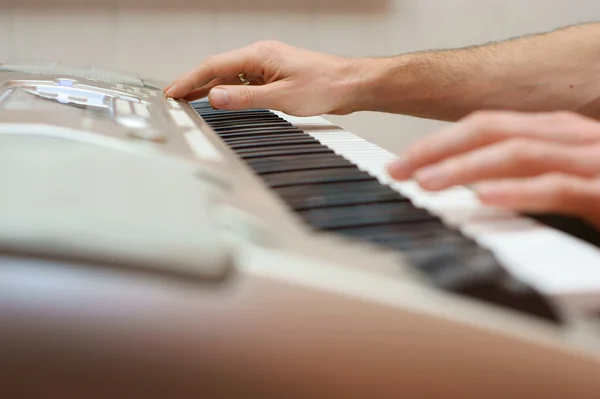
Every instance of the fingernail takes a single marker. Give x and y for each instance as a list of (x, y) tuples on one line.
[(432, 177), (399, 169), (219, 97), (171, 90)]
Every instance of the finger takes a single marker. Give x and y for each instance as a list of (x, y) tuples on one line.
[(226, 65), (248, 97), (167, 87), (486, 128), (203, 91), (552, 193), (514, 158)]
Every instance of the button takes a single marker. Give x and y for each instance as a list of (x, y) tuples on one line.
[(129, 98), (122, 107), (66, 82), (141, 110), (173, 103), (182, 119)]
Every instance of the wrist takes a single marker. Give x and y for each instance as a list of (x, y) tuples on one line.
[(363, 82), (429, 85)]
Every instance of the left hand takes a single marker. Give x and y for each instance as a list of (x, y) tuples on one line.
[(529, 162)]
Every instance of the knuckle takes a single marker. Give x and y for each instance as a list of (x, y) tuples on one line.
[(247, 96), (523, 151), (563, 119), (210, 60), (561, 190), (588, 157), (567, 118), (268, 46), (581, 129), (476, 126), (209, 63)]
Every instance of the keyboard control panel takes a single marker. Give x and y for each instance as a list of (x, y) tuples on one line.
[(117, 114)]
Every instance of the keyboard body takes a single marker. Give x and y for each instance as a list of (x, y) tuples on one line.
[(149, 248)]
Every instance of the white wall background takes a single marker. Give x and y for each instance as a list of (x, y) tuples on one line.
[(162, 39)]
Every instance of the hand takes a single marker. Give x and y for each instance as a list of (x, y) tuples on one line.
[(295, 81), (536, 163)]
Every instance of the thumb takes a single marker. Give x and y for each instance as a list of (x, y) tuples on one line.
[(245, 97)]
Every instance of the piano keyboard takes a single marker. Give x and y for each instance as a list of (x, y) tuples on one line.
[(521, 243), (337, 183)]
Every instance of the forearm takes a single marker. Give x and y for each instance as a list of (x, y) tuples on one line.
[(559, 70)]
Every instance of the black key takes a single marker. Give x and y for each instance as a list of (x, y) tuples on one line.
[(271, 143), (365, 215), (474, 272), (280, 147), (323, 199), (253, 129), (228, 114), (226, 137), (282, 152), (312, 159), (246, 120), (278, 167), (258, 131), (237, 117), (333, 189), (241, 118), (417, 239), (341, 175), (258, 124), (246, 113), (409, 237), (269, 137), (398, 232)]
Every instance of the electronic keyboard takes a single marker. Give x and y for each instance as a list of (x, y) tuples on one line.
[(153, 247)]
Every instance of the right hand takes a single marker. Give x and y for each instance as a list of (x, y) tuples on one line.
[(292, 80)]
